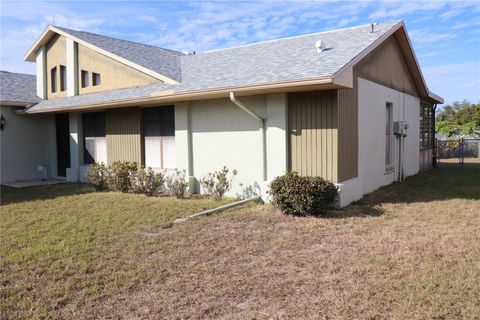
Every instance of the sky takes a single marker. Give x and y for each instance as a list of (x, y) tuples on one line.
[(445, 34)]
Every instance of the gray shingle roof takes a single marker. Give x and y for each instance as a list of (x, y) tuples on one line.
[(282, 60), (287, 59), (18, 87), (163, 61)]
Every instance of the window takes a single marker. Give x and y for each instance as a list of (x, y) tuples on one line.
[(427, 130), (84, 78), (159, 132), (63, 78), (389, 136), (96, 79), (53, 79), (95, 142)]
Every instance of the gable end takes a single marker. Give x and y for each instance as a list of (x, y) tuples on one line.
[(386, 65)]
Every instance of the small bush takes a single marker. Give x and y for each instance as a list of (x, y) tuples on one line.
[(177, 184), (146, 181), (119, 175), (96, 175), (297, 195), (217, 183)]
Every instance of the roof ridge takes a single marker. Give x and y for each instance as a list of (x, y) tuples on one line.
[(177, 53), (299, 36), (23, 74)]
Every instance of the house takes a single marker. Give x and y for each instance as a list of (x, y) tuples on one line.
[(350, 105)]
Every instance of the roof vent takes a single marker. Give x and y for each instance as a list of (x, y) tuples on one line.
[(320, 45)]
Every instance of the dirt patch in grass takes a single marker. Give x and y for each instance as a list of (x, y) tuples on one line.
[(407, 251)]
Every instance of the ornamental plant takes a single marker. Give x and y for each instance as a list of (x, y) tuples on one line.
[(118, 178), (177, 184), (297, 195), (217, 183), (96, 175), (147, 181)]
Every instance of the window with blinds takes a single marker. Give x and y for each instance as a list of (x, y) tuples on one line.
[(159, 135), (95, 142)]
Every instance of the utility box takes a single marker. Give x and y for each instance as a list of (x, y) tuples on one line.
[(400, 128)]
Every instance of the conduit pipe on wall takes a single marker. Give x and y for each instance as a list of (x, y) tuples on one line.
[(262, 131)]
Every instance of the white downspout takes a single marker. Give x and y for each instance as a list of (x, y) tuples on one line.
[(262, 131)]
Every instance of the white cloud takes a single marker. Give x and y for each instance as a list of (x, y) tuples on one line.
[(425, 38), (455, 81)]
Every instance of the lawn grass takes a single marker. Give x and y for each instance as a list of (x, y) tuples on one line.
[(406, 251), (64, 245)]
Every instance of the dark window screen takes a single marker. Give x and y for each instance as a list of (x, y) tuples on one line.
[(159, 121), (93, 126)]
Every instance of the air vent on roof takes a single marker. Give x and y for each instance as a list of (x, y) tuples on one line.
[(320, 45)]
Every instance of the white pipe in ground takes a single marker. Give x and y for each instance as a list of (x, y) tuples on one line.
[(214, 210)]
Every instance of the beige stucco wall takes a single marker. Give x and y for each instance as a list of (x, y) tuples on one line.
[(114, 75), (55, 56), (223, 135), (26, 142)]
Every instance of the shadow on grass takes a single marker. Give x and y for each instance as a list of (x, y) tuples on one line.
[(10, 195), (437, 184)]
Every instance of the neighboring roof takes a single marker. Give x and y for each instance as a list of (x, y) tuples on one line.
[(284, 62), (17, 88), (163, 61)]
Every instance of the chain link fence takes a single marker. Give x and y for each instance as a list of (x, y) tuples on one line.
[(458, 151)]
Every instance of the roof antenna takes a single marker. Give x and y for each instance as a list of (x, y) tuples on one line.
[(53, 20)]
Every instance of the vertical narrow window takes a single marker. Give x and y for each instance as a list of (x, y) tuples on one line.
[(426, 126), (388, 136), (159, 133), (63, 78), (96, 79), (84, 78), (53, 79), (95, 143)]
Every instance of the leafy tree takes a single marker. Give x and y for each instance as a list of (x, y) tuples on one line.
[(460, 118)]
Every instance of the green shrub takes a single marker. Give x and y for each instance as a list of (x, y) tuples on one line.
[(217, 183), (177, 184), (96, 175), (146, 181), (297, 195), (118, 178)]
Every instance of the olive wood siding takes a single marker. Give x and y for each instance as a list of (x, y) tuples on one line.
[(124, 135), (348, 132), (386, 65), (313, 123)]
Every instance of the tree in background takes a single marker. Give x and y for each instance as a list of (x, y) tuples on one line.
[(460, 118)]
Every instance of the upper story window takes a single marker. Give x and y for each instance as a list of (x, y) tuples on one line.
[(84, 79), (96, 79), (63, 78), (53, 79)]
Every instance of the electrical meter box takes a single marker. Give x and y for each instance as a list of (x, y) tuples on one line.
[(400, 127)]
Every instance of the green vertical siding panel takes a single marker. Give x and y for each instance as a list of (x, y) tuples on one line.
[(314, 119), (124, 135), (348, 133)]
